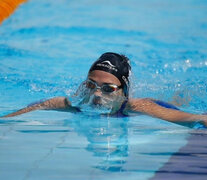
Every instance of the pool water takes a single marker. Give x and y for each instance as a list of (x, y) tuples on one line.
[(46, 49)]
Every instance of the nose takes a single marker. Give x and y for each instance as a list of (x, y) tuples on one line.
[(97, 92), (97, 97)]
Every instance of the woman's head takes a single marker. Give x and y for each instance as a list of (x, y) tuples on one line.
[(107, 84), (117, 65)]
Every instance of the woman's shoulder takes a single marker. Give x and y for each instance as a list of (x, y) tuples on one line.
[(138, 104)]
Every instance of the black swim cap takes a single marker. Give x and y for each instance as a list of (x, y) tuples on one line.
[(116, 64)]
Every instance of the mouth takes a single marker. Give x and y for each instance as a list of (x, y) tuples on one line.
[(100, 102), (97, 105), (97, 102)]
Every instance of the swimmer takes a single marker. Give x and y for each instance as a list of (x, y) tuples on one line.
[(107, 85)]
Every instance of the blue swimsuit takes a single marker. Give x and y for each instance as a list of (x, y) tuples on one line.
[(165, 104), (120, 112)]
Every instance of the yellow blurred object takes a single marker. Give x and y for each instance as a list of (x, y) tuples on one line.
[(7, 7)]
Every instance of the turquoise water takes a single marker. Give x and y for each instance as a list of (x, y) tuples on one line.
[(46, 49)]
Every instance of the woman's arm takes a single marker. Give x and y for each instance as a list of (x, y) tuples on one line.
[(147, 106), (58, 103)]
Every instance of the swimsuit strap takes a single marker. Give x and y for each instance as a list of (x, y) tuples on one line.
[(165, 104), (120, 112)]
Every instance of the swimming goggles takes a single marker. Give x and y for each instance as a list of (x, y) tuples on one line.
[(105, 88)]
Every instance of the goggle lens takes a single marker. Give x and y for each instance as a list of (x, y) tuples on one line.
[(109, 88), (105, 88), (90, 85)]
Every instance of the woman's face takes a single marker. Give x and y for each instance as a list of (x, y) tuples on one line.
[(99, 83)]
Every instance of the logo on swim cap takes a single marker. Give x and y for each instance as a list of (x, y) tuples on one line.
[(107, 64)]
